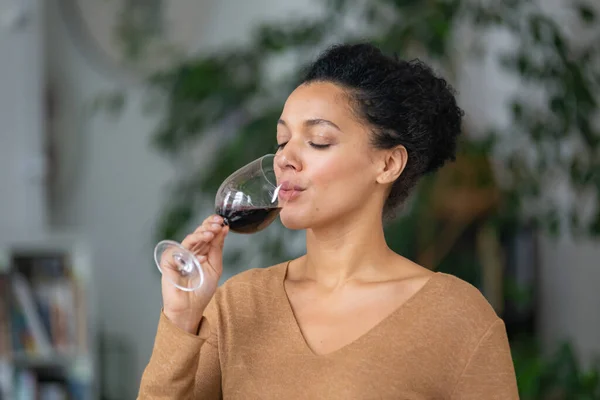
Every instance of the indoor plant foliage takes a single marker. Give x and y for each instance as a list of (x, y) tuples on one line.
[(233, 93)]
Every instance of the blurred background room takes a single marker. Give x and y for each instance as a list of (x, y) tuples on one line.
[(119, 119)]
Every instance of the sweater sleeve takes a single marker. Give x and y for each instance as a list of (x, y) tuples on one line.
[(182, 366), (489, 373)]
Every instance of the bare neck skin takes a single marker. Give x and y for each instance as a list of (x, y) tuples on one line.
[(351, 250)]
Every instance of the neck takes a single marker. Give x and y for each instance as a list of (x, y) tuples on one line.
[(345, 251)]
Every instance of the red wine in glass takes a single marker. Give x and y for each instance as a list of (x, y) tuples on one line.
[(249, 219), (247, 199)]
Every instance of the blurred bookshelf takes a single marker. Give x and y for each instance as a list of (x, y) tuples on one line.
[(46, 321)]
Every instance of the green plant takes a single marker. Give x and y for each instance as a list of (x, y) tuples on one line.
[(556, 376), (554, 138), (232, 93)]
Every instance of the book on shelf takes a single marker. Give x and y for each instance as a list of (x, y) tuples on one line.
[(43, 324)]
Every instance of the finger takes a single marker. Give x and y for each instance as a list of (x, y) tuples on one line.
[(213, 219), (207, 225), (215, 251), (216, 243), (194, 239), (214, 228), (200, 248), (219, 239), (217, 219)]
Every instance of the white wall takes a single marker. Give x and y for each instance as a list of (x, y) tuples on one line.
[(570, 276), (112, 194), (22, 207), (116, 193)]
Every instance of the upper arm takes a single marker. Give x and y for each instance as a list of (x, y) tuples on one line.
[(489, 373)]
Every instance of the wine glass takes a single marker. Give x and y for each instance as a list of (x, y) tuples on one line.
[(248, 202)]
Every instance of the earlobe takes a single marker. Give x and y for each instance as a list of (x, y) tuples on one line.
[(383, 179)]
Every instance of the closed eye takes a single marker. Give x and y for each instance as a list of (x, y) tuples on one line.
[(319, 146), (313, 145), (280, 146)]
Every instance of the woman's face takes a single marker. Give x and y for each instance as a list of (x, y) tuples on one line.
[(325, 161)]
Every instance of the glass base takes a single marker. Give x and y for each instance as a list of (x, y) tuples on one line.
[(179, 265)]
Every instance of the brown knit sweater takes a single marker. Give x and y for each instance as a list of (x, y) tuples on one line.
[(445, 342)]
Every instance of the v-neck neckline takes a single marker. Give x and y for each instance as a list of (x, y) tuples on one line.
[(289, 311)]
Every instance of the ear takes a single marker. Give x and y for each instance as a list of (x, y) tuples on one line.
[(394, 162)]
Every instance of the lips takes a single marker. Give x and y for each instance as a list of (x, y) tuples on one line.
[(289, 191), (289, 186)]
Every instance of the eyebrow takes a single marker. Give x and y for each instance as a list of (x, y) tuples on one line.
[(313, 122)]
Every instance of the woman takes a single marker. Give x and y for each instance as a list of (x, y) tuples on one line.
[(350, 319)]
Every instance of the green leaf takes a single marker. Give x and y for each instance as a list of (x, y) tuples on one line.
[(523, 64), (174, 219), (517, 110), (586, 13), (552, 222), (595, 225), (557, 105), (339, 5), (536, 29), (273, 38), (404, 4)]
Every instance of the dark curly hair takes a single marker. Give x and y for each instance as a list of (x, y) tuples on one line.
[(403, 101)]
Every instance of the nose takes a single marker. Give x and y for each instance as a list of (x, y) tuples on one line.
[(286, 160)]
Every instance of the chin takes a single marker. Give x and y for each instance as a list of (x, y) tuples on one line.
[(293, 220), (298, 218)]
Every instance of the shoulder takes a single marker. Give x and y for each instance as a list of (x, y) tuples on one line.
[(257, 278), (465, 297), (465, 335), (250, 288), (245, 301), (452, 317), (458, 304), (251, 292)]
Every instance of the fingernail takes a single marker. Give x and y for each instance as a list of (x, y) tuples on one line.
[(216, 218), (215, 225)]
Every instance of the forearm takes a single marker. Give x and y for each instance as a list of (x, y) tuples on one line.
[(188, 322), (176, 358)]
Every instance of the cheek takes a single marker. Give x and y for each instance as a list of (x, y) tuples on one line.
[(341, 176), (330, 172), (337, 182)]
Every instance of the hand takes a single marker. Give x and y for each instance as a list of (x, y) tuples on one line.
[(185, 309)]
